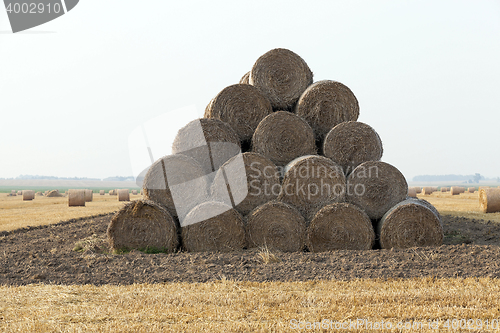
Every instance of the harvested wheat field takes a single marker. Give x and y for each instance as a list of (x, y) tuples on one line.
[(16, 213), (239, 306)]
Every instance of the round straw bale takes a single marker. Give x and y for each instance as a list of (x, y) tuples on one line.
[(242, 107), (177, 182), (89, 195), (211, 142), (471, 189), (276, 225), (21, 192), (489, 200), (76, 198), (410, 224), (311, 182), (28, 195), (428, 205), (282, 76), (113, 192), (444, 189), (213, 226), (411, 192), (375, 187), (13, 191), (101, 192), (456, 190), (418, 189), (142, 224), (39, 193), (282, 137), (134, 192), (427, 190), (340, 226), (325, 104), (123, 195), (53, 194), (246, 181), (245, 78), (351, 143)]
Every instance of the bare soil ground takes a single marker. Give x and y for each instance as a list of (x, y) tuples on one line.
[(47, 254)]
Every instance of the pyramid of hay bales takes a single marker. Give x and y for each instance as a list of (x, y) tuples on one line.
[(280, 161)]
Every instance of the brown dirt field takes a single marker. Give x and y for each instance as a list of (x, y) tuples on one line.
[(46, 254)]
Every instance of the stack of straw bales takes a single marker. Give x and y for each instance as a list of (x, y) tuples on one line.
[(279, 161)]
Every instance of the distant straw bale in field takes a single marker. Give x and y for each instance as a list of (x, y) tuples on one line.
[(19, 192), (249, 180), (39, 193), (113, 192), (179, 174), (427, 190), (311, 182), (282, 137), (282, 76), (325, 104), (410, 223), (245, 78), (375, 187), (134, 192), (471, 189), (213, 226), (53, 194), (76, 198), (418, 189), (444, 189), (340, 226), (276, 225), (412, 192), (123, 195), (89, 195), (351, 143), (242, 107), (28, 195), (456, 190), (102, 192), (211, 142), (142, 224), (489, 200)]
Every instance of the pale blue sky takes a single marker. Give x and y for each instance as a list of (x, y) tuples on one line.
[(426, 74)]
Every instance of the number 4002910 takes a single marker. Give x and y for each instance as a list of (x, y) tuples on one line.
[(33, 8)]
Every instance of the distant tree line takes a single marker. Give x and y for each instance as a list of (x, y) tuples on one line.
[(449, 178), (116, 178)]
